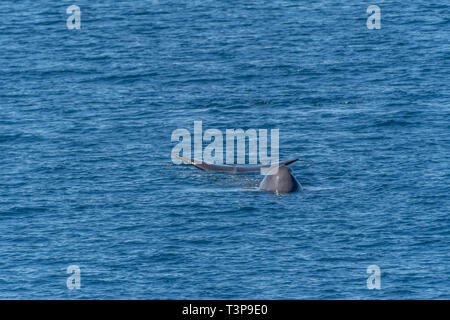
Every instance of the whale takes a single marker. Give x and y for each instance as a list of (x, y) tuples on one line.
[(279, 179)]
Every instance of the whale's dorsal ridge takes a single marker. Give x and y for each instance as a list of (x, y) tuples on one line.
[(280, 181)]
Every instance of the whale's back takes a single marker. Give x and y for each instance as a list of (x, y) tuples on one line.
[(280, 182)]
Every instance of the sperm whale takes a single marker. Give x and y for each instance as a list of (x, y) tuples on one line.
[(278, 180)]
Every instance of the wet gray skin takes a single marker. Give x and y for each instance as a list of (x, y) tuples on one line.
[(280, 182)]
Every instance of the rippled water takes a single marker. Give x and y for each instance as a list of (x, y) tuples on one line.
[(85, 170)]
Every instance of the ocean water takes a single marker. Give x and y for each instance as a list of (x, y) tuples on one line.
[(86, 177)]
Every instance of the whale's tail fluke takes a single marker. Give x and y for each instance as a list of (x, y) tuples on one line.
[(231, 168)]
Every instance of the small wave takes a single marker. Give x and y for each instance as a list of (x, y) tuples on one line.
[(393, 123), (318, 188)]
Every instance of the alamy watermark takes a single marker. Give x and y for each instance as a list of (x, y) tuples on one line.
[(74, 280), (214, 152), (374, 280), (74, 20), (374, 20)]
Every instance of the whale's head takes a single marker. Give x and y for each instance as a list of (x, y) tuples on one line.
[(280, 180)]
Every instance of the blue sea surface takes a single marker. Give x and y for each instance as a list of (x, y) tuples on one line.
[(86, 178)]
